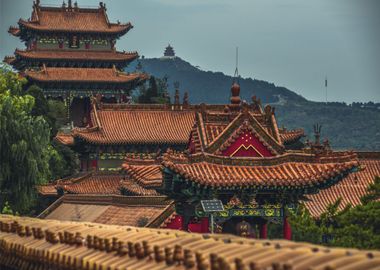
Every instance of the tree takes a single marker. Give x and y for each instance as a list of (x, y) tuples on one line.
[(56, 115), (63, 161), (304, 226), (373, 192), (155, 93), (24, 141), (41, 107), (359, 227)]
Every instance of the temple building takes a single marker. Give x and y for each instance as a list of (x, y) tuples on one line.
[(233, 152), (70, 53)]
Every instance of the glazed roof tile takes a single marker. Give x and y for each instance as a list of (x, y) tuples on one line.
[(131, 188), (97, 183), (144, 248), (92, 184), (64, 138), (46, 190), (138, 127), (350, 189), (85, 20), (293, 171), (90, 75), (148, 175), (288, 136), (77, 55)]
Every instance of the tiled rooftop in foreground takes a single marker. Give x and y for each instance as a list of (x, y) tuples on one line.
[(27, 243)]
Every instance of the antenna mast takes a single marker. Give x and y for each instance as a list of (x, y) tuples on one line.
[(236, 74)]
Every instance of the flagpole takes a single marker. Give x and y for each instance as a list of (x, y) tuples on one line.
[(326, 88)]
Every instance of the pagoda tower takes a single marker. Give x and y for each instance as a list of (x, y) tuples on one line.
[(169, 52), (70, 53)]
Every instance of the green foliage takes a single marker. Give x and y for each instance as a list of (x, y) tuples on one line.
[(56, 115), (10, 81), (359, 227), (373, 192), (53, 111), (40, 103), (24, 141), (7, 209), (353, 227), (63, 161), (304, 226), (156, 93), (343, 125)]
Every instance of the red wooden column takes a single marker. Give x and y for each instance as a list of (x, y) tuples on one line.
[(263, 231), (287, 229), (204, 225), (185, 223)]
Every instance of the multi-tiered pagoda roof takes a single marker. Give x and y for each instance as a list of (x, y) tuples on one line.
[(69, 19), (71, 51), (53, 57)]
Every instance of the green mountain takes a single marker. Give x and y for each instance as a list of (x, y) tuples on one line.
[(355, 126)]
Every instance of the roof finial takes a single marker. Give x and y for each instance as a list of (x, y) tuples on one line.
[(317, 133), (235, 88), (70, 3), (185, 99), (176, 97)]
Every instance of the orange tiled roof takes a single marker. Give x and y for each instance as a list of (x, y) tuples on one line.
[(146, 175), (92, 184), (46, 190), (98, 183), (290, 170), (52, 74), (64, 138), (77, 55), (131, 188), (288, 136), (106, 209), (9, 60), (113, 126), (14, 31), (350, 189), (91, 246), (84, 20)]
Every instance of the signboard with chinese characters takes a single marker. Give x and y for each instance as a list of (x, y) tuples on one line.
[(252, 211)]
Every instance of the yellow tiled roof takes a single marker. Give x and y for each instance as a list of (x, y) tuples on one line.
[(27, 243)]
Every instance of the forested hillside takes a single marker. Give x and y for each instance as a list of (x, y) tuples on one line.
[(346, 126)]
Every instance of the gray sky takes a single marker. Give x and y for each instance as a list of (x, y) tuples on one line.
[(292, 43)]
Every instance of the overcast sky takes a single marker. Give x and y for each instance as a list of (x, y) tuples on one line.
[(292, 43)]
